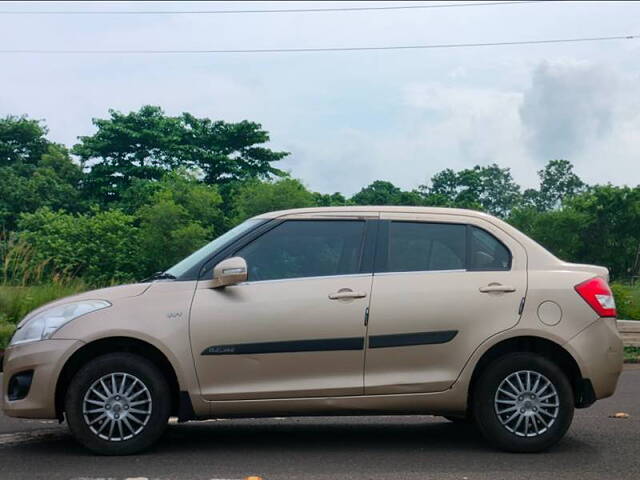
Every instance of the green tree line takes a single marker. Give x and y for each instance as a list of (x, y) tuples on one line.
[(146, 189)]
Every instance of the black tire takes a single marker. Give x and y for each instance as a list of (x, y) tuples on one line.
[(156, 408), (489, 421)]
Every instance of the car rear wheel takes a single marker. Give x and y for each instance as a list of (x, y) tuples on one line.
[(523, 402), (118, 404)]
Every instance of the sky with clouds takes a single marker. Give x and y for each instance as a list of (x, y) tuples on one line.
[(349, 118)]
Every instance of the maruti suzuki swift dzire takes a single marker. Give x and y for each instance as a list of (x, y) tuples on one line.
[(329, 311)]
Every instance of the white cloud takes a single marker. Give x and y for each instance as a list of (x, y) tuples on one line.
[(588, 113), (439, 127), (568, 107)]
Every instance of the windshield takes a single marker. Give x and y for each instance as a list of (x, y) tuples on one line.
[(209, 249)]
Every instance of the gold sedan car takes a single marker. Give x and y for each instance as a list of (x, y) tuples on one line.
[(329, 311)]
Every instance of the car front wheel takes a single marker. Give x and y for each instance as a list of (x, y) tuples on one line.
[(118, 404), (523, 402)]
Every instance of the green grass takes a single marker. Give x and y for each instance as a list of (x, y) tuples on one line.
[(627, 300)]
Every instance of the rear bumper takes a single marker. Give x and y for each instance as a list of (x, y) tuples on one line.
[(45, 359), (598, 349)]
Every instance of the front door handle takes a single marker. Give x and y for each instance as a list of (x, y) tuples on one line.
[(496, 287), (346, 293)]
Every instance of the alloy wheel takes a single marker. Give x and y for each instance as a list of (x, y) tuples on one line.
[(527, 403), (117, 406)]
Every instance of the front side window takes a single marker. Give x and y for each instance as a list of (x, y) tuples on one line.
[(418, 246), (487, 252), (199, 256), (305, 248)]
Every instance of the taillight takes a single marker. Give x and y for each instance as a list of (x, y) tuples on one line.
[(597, 293)]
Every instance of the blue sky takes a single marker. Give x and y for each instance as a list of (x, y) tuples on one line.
[(349, 118)]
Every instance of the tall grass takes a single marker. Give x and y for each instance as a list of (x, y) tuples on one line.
[(17, 301), (26, 284), (18, 263)]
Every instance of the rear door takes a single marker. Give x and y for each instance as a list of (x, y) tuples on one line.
[(442, 285)]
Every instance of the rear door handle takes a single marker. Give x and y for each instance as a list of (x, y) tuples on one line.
[(496, 287), (346, 293)]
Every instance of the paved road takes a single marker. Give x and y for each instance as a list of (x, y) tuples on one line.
[(394, 448)]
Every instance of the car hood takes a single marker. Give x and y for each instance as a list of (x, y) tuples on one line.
[(109, 294)]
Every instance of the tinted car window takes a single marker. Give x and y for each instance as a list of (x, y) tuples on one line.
[(487, 252), (421, 246), (305, 248)]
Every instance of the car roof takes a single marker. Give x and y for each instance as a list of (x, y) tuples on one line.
[(370, 209)]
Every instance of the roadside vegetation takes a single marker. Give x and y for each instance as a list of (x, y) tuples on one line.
[(632, 354), (146, 189), (627, 300)]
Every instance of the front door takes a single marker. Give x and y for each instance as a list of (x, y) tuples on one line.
[(442, 285), (296, 327)]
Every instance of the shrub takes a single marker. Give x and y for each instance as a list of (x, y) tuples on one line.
[(632, 354), (102, 247), (627, 300)]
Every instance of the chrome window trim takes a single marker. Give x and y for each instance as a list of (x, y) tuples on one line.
[(297, 279), (419, 272)]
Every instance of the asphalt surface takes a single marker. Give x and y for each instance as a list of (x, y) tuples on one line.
[(411, 447)]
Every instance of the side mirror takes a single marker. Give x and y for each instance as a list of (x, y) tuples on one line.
[(230, 272)]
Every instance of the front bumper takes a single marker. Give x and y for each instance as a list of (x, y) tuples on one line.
[(46, 359), (598, 350)]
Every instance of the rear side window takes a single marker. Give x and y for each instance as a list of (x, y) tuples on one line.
[(305, 248), (418, 246), (486, 252)]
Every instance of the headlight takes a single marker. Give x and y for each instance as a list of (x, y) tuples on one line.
[(44, 324)]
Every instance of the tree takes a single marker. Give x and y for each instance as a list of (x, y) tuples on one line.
[(148, 143), (34, 172), (382, 192), (557, 184), (599, 226), (377, 193), (180, 216), (228, 152), (611, 231), (560, 231), (329, 199), (256, 197), (489, 188), (22, 141), (412, 197)]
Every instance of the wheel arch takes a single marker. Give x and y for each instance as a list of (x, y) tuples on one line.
[(582, 389), (102, 346)]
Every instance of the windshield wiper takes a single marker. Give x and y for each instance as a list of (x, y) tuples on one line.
[(160, 276)]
